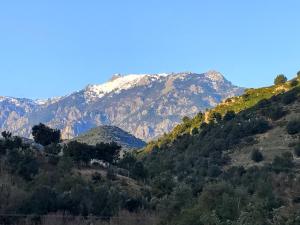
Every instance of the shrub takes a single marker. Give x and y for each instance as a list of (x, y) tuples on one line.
[(256, 155), (283, 163), (293, 127), (229, 116), (297, 149), (294, 83), (280, 79), (111, 175), (289, 97), (273, 112)]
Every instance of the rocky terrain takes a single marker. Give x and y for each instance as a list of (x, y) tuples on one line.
[(145, 105)]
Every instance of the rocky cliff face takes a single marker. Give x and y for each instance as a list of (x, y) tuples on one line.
[(144, 105)]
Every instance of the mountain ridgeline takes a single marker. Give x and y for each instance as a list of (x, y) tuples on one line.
[(145, 105), (236, 164)]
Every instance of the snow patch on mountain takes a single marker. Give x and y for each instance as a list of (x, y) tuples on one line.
[(117, 84), (43, 102)]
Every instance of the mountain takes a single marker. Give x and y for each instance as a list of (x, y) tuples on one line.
[(236, 104), (108, 134), (145, 105), (236, 164)]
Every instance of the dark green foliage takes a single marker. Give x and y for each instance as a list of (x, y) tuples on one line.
[(195, 131), (229, 116), (42, 200), (294, 83), (273, 112), (83, 153), (280, 79), (289, 97), (111, 174), (283, 163), (256, 155), (133, 205), (215, 118), (23, 163), (134, 167), (6, 134), (293, 127), (45, 135), (96, 177), (39, 183), (297, 149)]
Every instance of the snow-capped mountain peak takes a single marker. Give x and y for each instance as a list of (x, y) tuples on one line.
[(118, 83), (146, 105)]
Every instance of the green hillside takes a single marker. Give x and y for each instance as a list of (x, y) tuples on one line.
[(236, 104), (242, 168)]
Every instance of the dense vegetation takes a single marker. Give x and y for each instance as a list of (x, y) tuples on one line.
[(60, 180), (193, 180), (187, 177)]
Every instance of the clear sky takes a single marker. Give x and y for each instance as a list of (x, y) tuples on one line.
[(51, 48)]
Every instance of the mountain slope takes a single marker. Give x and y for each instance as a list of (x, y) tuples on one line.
[(107, 134), (235, 104), (145, 105), (238, 169)]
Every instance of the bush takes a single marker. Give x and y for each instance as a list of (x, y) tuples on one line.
[(280, 79), (273, 112), (289, 97), (297, 150), (294, 83), (229, 116), (256, 155), (111, 175), (293, 127), (283, 163)]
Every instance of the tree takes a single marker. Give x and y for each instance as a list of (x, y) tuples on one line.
[(45, 135), (280, 79), (215, 117), (229, 115), (6, 134), (256, 155), (298, 75), (79, 152)]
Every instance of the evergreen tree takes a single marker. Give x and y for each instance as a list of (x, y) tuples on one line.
[(280, 79), (45, 135)]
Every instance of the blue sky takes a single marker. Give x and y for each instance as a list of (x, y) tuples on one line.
[(51, 48)]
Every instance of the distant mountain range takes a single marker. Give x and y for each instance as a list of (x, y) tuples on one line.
[(145, 105)]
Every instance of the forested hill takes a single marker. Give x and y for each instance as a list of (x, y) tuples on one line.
[(232, 168)]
